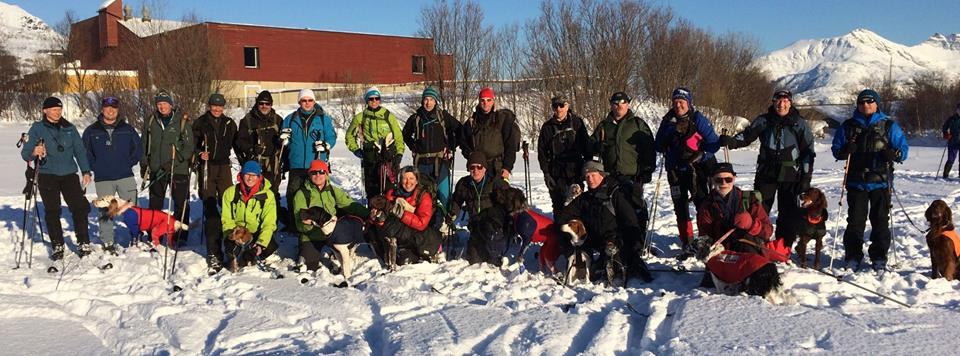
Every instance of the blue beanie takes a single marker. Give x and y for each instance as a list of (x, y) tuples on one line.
[(430, 92), (682, 93), (251, 167), (372, 92), (868, 94)]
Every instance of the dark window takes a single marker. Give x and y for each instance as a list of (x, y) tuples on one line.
[(251, 57), (419, 64)]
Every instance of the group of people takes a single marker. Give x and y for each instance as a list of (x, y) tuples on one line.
[(414, 208)]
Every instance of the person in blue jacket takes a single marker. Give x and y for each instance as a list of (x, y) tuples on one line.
[(59, 156), (872, 142), (688, 142), (307, 134), (113, 149)]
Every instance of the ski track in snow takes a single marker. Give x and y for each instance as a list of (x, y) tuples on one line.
[(455, 308)]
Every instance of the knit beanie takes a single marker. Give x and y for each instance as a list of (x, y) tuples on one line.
[(251, 167), (430, 92), (163, 97), (682, 93), (306, 94), (52, 102), (370, 93)]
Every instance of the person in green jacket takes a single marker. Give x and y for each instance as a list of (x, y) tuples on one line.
[(166, 131), (375, 137), (343, 228), (248, 204)]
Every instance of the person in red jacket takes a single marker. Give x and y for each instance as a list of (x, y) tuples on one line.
[(409, 220), (729, 208)]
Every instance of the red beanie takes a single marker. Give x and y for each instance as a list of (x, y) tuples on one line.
[(486, 93), (318, 165)]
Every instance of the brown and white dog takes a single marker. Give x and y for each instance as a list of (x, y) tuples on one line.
[(242, 237), (578, 264), (943, 242), (813, 224), (387, 249)]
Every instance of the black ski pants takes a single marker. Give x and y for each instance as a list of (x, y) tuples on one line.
[(860, 202), (218, 180), (51, 187), (788, 213), (181, 195)]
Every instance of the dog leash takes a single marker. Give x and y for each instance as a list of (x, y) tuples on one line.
[(904, 211)]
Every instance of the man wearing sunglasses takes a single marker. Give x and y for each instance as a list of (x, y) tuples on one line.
[(562, 148), (431, 134), (785, 163), (494, 132), (375, 137), (475, 194), (258, 139), (872, 142), (113, 149), (688, 142), (344, 228), (309, 135), (726, 208)]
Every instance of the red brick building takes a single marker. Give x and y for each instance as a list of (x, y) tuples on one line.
[(261, 57)]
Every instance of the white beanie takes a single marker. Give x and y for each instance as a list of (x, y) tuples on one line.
[(306, 93)]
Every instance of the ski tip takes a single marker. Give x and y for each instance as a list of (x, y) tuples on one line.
[(176, 288), (304, 280), (341, 285), (106, 266), (52, 269)]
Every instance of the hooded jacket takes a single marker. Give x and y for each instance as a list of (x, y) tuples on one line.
[(64, 145), (258, 213)]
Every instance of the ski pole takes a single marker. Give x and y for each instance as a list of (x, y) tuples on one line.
[(940, 165), (173, 157), (206, 163), (836, 226), (176, 241), (652, 217), (884, 296), (726, 150), (36, 214), (526, 168)]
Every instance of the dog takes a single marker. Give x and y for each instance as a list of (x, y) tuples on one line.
[(734, 272), (139, 220), (578, 264), (379, 211), (345, 253), (813, 203), (241, 236), (943, 242)]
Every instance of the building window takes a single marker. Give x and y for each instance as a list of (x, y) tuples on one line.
[(419, 64), (251, 57)]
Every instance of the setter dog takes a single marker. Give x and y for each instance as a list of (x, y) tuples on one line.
[(813, 224), (942, 241)]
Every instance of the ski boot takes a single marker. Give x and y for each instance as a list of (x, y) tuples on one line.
[(213, 265), (57, 253), (111, 249), (84, 250)]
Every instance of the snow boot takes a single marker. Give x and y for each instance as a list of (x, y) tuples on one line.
[(946, 170), (111, 249), (83, 250), (213, 265), (853, 264), (57, 253)]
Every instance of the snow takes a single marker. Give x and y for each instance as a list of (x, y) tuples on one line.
[(152, 27), (25, 36), (455, 308), (832, 70)]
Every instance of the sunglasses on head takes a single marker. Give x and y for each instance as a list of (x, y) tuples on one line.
[(475, 167), (867, 101), (721, 180), (373, 98), (318, 173)]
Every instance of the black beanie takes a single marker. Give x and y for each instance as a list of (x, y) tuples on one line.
[(52, 102), (265, 96)]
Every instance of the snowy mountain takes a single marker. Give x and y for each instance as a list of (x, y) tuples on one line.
[(25, 36), (831, 70)]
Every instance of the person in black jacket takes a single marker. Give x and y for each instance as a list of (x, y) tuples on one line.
[(258, 139), (607, 213), (486, 221), (562, 148), (951, 134), (431, 134), (785, 163), (113, 149), (213, 136), (494, 132)]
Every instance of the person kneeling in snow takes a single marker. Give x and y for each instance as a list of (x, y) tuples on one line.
[(326, 214), (406, 230), (249, 204), (734, 220), (486, 219)]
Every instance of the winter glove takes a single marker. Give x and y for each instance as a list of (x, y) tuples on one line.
[(727, 141), (743, 221), (406, 205), (891, 155), (285, 136), (358, 153), (847, 149), (144, 172)]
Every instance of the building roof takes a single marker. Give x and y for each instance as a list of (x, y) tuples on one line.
[(154, 26)]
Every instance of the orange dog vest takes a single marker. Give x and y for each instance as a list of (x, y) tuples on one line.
[(952, 235)]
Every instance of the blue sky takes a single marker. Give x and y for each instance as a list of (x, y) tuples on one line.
[(773, 24)]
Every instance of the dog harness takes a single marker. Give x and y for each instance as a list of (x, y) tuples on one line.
[(735, 267), (149, 220), (952, 235)]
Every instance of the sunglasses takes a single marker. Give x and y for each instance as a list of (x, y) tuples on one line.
[(475, 167), (264, 104), (558, 105), (721, 180), (375, 98), (866, 101), (484, 100), (318, 173)]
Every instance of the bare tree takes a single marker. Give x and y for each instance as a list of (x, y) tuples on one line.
[(927, 103), (9, 72)]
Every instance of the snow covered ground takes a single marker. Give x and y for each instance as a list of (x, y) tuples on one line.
[(455, 308)]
